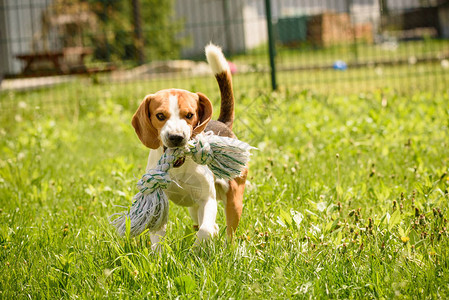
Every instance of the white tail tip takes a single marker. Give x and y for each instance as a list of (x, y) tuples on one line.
[(216, 59)]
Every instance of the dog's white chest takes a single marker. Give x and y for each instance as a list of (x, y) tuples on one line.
[(192, 183)]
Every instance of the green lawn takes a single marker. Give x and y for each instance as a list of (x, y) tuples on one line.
[(348, 199), (306, 55)]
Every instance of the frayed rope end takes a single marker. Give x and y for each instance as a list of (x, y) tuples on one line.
[(148, 211)]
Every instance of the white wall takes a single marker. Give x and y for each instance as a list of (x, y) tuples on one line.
[(3, 46), (204, 22), (255, 27), (19, 21)]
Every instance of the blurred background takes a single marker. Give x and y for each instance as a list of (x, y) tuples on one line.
[(146, 45)]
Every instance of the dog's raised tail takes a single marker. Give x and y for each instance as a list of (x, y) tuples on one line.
[(220, 67)]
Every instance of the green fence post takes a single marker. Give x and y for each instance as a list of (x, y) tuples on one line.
[(138, 36), (349, 4), (271, 46)]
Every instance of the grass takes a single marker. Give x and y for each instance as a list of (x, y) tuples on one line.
[(74, 98), (307, 55), (348, 199)]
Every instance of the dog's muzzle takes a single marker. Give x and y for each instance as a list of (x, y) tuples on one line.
[(175, 141)]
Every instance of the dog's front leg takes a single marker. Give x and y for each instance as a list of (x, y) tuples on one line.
[(158, 237), (207, 213)]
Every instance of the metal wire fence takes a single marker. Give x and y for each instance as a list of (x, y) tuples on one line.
[(141, 46)]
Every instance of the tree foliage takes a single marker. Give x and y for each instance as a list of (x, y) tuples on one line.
[(116, 40)]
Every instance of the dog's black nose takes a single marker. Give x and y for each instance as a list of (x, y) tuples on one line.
[(175, 139)]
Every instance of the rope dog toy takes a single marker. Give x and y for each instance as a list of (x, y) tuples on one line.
[(225, 157)]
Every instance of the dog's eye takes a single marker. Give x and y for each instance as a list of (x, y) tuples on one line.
[(160, 116), (189, 116)]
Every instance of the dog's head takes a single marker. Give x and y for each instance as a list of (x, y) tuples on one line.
[(171, 117)]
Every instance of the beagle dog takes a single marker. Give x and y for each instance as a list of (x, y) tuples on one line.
[(169, 119)]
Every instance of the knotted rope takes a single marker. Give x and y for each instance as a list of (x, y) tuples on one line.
[(225, 157)]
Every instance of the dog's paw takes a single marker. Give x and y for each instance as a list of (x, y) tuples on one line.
[(205, 234)]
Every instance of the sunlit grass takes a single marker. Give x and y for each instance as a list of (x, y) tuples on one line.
[(303, 55), (348, 198)]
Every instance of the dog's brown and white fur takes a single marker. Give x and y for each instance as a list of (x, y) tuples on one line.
[(169, 119)]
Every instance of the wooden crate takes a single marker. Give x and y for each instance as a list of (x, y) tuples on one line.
[(335, 28)]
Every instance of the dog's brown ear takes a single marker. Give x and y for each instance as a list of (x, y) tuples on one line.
[(204, 113), (142, 124)]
